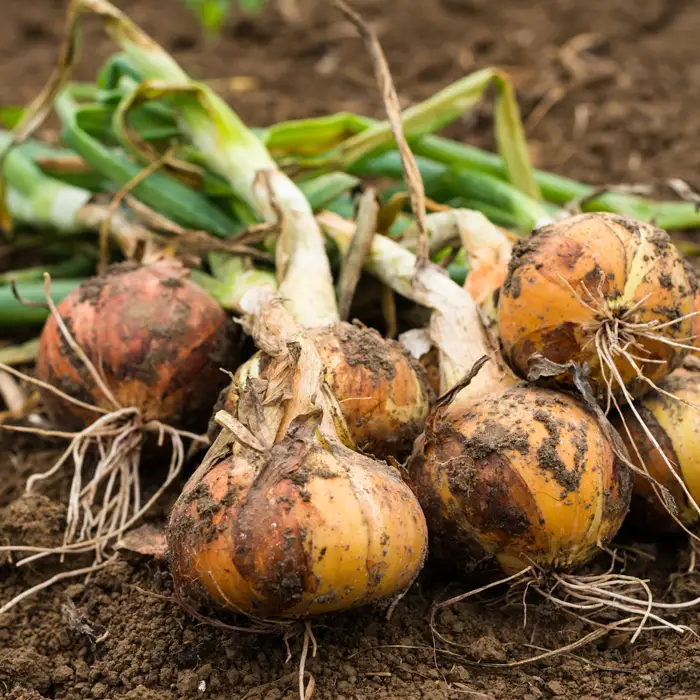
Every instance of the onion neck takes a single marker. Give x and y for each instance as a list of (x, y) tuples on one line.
[(456, 327), (232, 279)]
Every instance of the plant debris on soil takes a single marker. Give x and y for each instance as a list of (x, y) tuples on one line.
[(607, 92)]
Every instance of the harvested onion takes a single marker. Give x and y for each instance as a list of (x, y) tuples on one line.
[(674, 423), (603, 290), (282, 519), (158, 340), (525, 476), (383, 394), (132, 353)]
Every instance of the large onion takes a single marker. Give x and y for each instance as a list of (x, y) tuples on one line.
[(282, 519), (603, 290), (522, 475), (158, 340), (383, 394)]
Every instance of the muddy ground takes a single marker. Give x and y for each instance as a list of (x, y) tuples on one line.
[(618, 77)]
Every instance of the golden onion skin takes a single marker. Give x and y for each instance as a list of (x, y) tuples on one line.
[(625, 261), (524, 476), (676, 427), (303, 530), (158, 339), (383, 392)]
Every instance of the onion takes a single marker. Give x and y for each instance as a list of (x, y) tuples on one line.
[(383, 394), (603, 290), (158, 340), (524, 476), (282, 519), (672, 420)]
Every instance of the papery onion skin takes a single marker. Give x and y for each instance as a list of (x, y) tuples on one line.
[(158, 340), (524, 476), (303, 530), (592, 253), (382, 391), (676, 427)]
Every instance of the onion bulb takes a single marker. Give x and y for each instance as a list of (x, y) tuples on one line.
[(382, 392), (674, 423), (282, 519), (158, 340), (603, 290), (523, 476)]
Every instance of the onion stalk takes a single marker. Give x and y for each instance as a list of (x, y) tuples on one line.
[(311, 141), (370, 377)]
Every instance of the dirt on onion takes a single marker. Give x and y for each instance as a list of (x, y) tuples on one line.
[(158, 340), (601, 290)]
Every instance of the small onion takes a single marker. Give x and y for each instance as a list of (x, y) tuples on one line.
[(383, 393), (599, 289), (675, 425), (158, 340), (522, 475), (282, 519)]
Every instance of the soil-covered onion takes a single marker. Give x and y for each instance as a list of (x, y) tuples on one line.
[(282, 519), (383, 393), (675, 425), (158, 340), (603, 290), (523, 475)]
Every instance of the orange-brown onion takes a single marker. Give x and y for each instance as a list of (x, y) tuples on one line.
[(158, 340), (383, 393), (523, 476), (569, 280), (304, 528), (675, 424)]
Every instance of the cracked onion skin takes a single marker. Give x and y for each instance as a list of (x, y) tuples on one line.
[(309, 527), (612, 263), (158, 339), (523, 476), (676, 427), (383, 393)]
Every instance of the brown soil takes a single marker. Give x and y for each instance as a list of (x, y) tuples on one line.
[(627, 112)]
